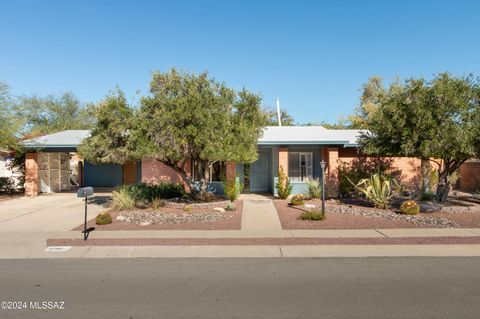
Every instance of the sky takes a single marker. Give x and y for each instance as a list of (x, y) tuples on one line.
[(313, 55)]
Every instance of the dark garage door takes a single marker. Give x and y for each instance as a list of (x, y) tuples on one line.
[(102, 175)]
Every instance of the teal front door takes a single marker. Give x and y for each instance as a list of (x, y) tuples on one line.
[(259, 174)]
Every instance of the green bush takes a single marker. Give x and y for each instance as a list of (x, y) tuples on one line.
[(283, 185), (230, 207), (103, 219), (427, 197), (297, 200), (314, 188), (232, 189), (410, 207), (148, 192), (125, 197), (7, 185), (377, 189), (315, 214), (362, 168), (158, 203)]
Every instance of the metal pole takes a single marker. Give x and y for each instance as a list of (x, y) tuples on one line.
[(85, 224), (323, 190)]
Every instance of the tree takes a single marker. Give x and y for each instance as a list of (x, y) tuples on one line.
[(50, 114), (429, 120), (111, 139), (7, 123), (193, 117), (369, 102), (285, 117)]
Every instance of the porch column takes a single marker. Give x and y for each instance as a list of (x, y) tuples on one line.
[(331, 181), (283, 159), (231, 171), (31, 174)]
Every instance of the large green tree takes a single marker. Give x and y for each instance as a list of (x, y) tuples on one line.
[(7, 121), (285, 117), (50, 114), (112, 138), (437, 120), (191, 116)]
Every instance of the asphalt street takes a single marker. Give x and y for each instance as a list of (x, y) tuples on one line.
[(241, 288)]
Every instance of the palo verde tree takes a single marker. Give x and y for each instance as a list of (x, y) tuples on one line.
[(112, 138), (437, 120), (193, 117), (7, 125)]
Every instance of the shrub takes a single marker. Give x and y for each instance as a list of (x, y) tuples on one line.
[(410, 207), (187, 208), (297, 200), (377, 190), (206, 197), (103, 218), (230, 207), (158, 203), (314, 188), (315, 214), (362, 168), (283, 185), (428, 196), (7, 185), (232, 189), (125, 197)]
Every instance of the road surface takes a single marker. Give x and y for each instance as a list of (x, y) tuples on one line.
[(243, 288)]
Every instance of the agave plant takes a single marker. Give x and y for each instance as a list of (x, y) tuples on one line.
[(377, 189)]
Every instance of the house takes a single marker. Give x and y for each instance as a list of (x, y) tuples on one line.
[(299, 150), (5, 171)]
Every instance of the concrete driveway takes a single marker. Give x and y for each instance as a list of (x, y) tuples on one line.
[(49, 212), (26, 223)]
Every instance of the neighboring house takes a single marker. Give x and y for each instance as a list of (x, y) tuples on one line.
[(5, 158), (298, 149)]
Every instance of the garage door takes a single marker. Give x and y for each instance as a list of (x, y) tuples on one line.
[(102, 175)]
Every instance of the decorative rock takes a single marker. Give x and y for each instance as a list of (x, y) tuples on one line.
[(309, 206), (219, 209), (121, 218), (145, 224)]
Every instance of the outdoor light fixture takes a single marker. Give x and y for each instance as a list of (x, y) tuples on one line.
[(322, 165)]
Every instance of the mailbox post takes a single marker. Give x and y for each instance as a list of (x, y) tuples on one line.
[(85, 192)]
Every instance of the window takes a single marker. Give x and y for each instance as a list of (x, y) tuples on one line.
[(217, 171), (300, 166)]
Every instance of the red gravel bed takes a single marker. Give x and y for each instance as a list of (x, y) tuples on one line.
[(289, 219), (261, 241), (4, 197), (232, 221)]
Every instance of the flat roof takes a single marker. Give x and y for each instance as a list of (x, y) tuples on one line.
[(64, 139), (272, 135), (305, 135)]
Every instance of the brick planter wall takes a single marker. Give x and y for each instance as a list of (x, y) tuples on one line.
[(31, 174)]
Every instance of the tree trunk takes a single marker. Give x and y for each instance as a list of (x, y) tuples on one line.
[(425, 171), (183, 175), (443, 187), (206, 177)]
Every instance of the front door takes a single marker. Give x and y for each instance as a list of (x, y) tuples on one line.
[(259, 173)]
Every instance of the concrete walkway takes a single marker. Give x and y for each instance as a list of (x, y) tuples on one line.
[(259, 214)]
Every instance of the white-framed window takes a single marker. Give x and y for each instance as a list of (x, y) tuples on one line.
[(300, 165), (217, 171)]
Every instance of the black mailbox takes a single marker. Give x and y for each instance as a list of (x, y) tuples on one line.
[(85, 192)]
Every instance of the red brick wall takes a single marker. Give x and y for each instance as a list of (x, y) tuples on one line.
[(470, 176), (332, 159), (231, 171), (156, 172), (32, 187), (283, 159)]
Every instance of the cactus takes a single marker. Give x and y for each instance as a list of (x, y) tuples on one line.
[(410, 207), (297, 200)]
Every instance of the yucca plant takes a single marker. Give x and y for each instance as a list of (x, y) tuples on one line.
[(314, 187), (125, 197), (377, 189)]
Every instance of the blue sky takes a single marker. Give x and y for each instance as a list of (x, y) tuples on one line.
[(313, 55)]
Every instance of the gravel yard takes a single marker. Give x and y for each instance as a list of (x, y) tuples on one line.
[(351, 216), (172, 218)]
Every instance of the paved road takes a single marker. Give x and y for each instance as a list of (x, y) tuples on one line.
[(246, 288)]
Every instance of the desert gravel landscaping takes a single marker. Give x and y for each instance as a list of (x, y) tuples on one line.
[(173, 218)]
